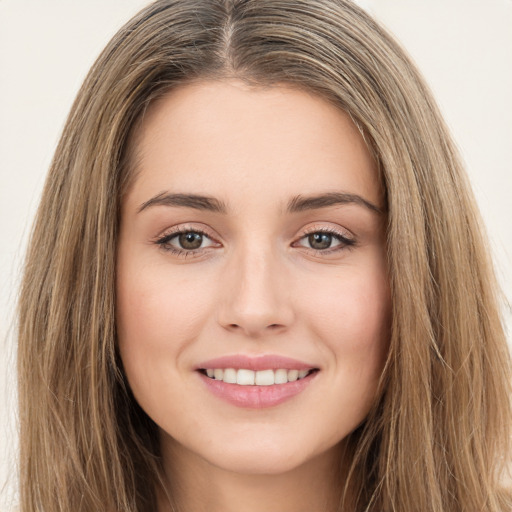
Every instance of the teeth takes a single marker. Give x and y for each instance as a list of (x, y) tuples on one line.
[(229, 376), (245, 377), (264, 378), (293, 375), (259, 378), (281, 376)]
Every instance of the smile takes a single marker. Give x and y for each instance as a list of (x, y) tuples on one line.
[(246, 377), (256, 383)]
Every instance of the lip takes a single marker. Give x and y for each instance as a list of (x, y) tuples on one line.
[(256, 397), (263, 362)]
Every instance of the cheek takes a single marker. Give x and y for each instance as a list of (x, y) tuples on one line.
[(354, 306), (159, 313), (153, 302), (351, 318)]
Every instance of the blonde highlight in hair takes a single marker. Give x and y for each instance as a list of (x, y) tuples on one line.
[(437, 438)]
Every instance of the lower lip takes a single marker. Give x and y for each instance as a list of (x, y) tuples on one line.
[(257, 397)]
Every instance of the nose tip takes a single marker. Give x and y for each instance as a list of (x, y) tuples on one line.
[(255, 299), (256, 314)]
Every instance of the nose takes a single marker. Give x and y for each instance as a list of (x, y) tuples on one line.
[(255, 296)]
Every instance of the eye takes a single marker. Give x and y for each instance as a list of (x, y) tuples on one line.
[(325, 241), (321, 241), (191, 240), (185, 241)]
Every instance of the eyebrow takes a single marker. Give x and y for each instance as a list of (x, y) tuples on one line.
[(296, 204), (301, 203), (198, 202)]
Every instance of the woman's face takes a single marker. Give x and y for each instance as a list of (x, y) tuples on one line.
[(252, 248)]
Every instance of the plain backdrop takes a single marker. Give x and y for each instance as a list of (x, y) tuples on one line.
[(463, 47)]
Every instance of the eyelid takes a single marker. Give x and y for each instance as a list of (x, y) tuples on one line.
[(328, 228), (185, 228), (163, 239), (346, 238)]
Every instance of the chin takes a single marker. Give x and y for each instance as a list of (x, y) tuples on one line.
[(259, 463), (265, 456)]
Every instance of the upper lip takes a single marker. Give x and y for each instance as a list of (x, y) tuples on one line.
[(263, 362)]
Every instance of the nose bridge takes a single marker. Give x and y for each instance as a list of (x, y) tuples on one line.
[(255, 295)]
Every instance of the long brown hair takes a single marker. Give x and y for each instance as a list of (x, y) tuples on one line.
[(437, 439)]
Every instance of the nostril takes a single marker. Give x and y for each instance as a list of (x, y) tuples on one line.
[(270, 327)]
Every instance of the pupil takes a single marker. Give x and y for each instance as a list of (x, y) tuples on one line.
[(191, 240), (320, 240)]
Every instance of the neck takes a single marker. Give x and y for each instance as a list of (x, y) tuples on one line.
[(195, 485)]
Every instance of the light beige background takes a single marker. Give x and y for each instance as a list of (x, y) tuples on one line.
[(463, 47)]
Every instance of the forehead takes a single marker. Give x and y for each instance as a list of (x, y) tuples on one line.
[(225, 138)]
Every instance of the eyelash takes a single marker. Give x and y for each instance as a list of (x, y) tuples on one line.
[(345, 242), (164, 242)]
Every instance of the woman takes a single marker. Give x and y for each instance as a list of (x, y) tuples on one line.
[(257, 279)]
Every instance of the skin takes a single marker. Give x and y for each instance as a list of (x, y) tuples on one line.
[(256, 286)]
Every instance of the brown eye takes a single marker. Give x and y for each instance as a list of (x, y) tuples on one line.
[(325, 241), (190, 240), (186, 242), (320, 241)]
